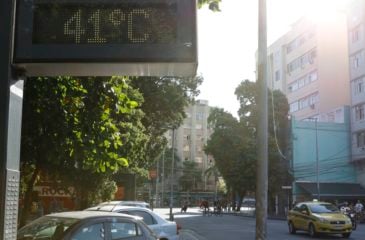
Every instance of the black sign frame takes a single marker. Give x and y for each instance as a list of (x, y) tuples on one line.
[(178, 59)]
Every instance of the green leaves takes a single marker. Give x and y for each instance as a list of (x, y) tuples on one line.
[(213, 4)]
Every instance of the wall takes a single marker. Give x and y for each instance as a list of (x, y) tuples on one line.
[(334, 151)]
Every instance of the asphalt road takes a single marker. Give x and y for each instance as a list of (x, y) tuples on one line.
[(236, 227)]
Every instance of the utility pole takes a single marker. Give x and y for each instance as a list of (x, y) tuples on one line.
[(317, 161), (172, 175), (262, 132)]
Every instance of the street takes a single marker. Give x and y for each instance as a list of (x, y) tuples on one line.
[(236, 227)]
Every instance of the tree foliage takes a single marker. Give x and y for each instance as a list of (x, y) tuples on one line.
[(278, 108), (233, 150), (191, 176), (78, 129), (212, 4), (233, 142), (165, 100)]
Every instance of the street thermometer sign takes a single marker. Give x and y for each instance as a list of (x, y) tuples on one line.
[(106, 37)]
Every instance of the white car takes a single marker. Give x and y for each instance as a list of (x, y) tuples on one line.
[(126, 203), (164, 229)]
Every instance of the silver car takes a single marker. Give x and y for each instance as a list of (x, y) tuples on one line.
[(81, 225), (164, 229)]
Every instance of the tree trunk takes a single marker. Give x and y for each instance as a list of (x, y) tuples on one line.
[(27, 203)]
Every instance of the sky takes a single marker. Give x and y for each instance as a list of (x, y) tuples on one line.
[(228, 40)]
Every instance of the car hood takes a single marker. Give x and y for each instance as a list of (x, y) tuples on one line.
[(331, 216)]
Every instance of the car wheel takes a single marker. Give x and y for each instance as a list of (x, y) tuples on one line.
[(292, 229), (312, 230), (346, 235), (354, 225)]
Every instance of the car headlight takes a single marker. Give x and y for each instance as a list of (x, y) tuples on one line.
[(348, 221), (323, 220)]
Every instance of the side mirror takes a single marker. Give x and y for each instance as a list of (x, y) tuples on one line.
[(304, 212)]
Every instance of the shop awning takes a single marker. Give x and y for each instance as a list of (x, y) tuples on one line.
[(334, 190)]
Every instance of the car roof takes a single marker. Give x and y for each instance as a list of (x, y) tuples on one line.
[(112, 207), (90, 214), (124, 202), (314, 203)]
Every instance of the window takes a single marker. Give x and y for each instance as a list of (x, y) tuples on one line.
[(359, 112), (355, 34), (294, 106), (313, 98), (313, 76), (301, 82), (357, 60), (303, 103), (358, 86), (147, 218), (277, 57), (121, 230), (331, 117), (95, 232), (302, 61), (186, 148), (277, 75), (360, 136), (299, 41)]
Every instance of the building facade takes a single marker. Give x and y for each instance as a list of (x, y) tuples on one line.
[(190, 139), (322, 153), (356, 46), (309, 65)]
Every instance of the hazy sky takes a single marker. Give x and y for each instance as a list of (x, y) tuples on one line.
[(228, 41)]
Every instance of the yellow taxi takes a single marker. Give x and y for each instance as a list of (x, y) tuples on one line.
[(318, 218)]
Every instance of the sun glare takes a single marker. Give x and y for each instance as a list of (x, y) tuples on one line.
[(325, 10)]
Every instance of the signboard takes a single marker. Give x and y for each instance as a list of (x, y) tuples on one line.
[(106, 37), (47, 191)]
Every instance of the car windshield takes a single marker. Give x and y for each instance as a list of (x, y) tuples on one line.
[(323, 208), (45, 228)]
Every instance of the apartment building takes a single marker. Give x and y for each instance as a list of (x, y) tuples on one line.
[(309, 65), (190, 139), (356, 46)]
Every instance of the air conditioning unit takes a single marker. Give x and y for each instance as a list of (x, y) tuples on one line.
[(312, 106)]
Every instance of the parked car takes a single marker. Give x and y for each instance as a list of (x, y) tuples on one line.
[(126, 203), (319, 218), (164, 229), (81, 225), (248, 206)]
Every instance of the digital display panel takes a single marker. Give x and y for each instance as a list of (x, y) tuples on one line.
[(139, 22), (106, 37)]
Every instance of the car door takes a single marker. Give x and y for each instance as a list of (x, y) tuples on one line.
[(304, 216), (147, 219)]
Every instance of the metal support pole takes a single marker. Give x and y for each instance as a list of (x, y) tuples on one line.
[(172, 175), (262, 131), (163, 178), (157, 179), (11, 103), (317, 162)]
